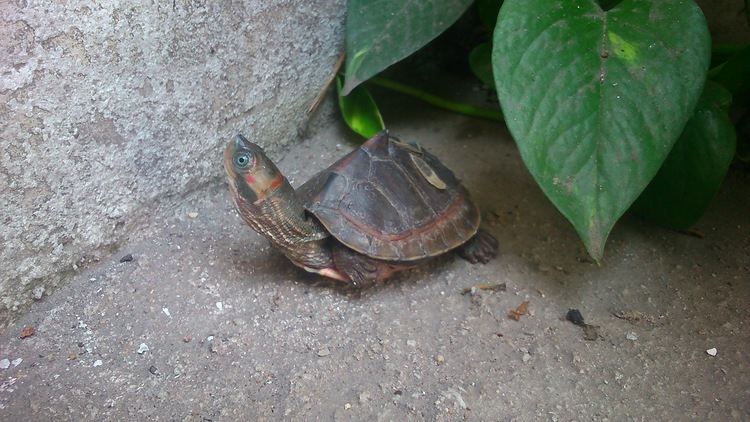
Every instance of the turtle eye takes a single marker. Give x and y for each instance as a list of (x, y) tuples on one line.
[(242, 161)]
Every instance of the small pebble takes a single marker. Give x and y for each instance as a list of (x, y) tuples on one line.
[(324, 352), (187, 339), (526, 357), (126, 258), (153, 370), (712, 351), (38, 292), (574, 316), (166, 312), (5, 363), (193, 214), (16, 362), (440, 359), (411, 343), (143, 348), (27, 331), (213, 347), (220, 305), (98, 362), (347, 406), (631, 336)]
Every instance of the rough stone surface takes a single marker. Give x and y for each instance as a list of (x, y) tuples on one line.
[(284, 346), (108, 109)]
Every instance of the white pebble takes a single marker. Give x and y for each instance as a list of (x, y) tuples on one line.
[(97, 362), (5, 363), (411, 343), (631, 336), (143, 348), (712, 351), (192, 214), (38, 292), (17, 361), (220, 305), (166, 312)]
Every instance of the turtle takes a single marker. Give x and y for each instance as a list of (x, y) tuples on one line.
[(386, 206)]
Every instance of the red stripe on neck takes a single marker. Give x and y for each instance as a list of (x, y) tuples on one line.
[(275, 183)]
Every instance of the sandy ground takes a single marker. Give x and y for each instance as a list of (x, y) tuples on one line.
[(228, 330)]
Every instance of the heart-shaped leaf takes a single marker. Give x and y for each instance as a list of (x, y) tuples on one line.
[(359, 110), (380, 33), (480, 61), (595, 99), (692, 173)]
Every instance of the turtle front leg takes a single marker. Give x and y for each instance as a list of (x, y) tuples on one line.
[(480, 248)]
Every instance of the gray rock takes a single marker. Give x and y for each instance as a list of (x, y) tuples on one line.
[(110, 111)]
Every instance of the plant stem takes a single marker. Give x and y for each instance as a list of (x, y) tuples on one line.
[(469, 110)]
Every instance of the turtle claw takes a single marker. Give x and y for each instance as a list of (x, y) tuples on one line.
[(480, 248), (359, 281)]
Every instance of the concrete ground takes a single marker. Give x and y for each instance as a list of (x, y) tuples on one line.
[(208, 323)]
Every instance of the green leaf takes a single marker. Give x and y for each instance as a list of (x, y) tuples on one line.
[(692, 173), (380, 33), (488, 10), (595, 99), (359, 110), (734, 75), (480, 61)]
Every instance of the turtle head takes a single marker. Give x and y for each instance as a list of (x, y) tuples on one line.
[(268, 204), (252, 176)]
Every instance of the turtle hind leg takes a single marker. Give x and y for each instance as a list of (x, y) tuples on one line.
[(362, 270), (480, 248)]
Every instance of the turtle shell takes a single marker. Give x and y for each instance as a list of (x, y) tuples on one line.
[(392, 201)]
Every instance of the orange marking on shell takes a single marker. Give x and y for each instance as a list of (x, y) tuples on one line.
[(249, 179)]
